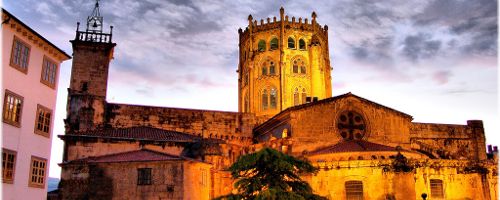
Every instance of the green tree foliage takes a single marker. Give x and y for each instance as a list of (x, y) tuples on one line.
[(271, 175)]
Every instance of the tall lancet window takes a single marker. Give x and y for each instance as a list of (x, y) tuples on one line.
[(264, 99), (272, 98), (296, 97)]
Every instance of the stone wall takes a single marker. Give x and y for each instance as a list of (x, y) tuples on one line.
[(382, 184), (100, 181), (448, 140), (316, 126), (231, 126)]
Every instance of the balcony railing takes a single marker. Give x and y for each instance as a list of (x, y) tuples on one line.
[(93, 37)]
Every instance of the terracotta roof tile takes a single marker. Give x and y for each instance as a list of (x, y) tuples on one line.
[(137, 133), (143, 155), (353, 146)]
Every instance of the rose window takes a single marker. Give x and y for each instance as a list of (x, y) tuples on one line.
[(351, 125)]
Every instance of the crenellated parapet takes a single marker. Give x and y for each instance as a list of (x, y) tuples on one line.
[(289, 23)]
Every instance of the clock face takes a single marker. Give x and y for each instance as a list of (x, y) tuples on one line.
[(351, 125)]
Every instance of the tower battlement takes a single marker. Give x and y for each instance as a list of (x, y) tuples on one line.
[(292, 23)]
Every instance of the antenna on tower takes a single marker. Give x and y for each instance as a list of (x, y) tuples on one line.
[(94, 21)]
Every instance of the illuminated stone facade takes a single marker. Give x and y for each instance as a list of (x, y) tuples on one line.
[(282, 62), (364, 150)]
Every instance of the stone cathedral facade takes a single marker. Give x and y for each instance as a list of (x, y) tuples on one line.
[(364, 150)]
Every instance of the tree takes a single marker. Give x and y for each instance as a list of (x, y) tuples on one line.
[(271, 175)]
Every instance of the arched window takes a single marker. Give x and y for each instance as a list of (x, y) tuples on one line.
[(354, 190), (304, 95), (272, 98), (437, 189), (272, 68), (296, 97), (291, 43), (264, 70), (268, 67), (295, 67), (264, 100), (274, 44), (302, 44), (262, 45), (299, 64)]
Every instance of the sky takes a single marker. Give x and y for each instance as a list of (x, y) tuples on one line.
[(435, 60)]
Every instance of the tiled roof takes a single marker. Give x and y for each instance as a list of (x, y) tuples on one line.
[(142, 155), (137, 133), (353, 146)]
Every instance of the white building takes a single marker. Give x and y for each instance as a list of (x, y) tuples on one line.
[(30, 72)]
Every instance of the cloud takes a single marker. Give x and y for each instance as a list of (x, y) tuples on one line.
[(442, 77), (420, 46), (475, 22)]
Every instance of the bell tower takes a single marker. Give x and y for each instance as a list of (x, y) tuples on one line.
[(92, 53), (283, 62)]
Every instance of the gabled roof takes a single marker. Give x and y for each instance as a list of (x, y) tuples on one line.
[(11, 16), (143, 155), (346, 95), (328, 100), (352, 146), (136, 133)]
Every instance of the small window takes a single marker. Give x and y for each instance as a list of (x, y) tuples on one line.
[(49, 72), (437, 189), (296, 97), (291, 43), (144, 176), (284, 134), (8, 165), (264, 99), (20, 55), (272, 98), (302, 69), (42, 124), (12, 107), (354, 190), (264, 70), (37, 172), (262, 45), (274, 44), (302, 44), (272, 69)]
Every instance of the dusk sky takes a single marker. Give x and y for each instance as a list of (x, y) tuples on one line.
[(433, 59)]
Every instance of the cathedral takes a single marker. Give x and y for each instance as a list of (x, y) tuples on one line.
[(363, 150)]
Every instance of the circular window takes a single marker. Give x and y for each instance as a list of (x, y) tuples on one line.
[(351, 125)]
